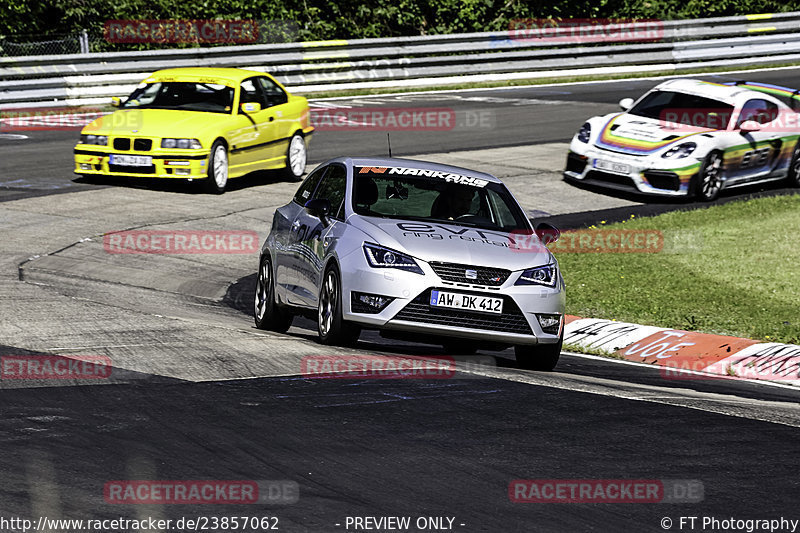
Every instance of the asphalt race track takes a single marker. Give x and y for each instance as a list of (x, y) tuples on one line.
[(197, 393)]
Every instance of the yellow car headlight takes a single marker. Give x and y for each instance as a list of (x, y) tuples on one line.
[(183, 144), (99, 140)]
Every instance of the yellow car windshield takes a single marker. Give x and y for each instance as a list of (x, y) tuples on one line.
[(182, 95)]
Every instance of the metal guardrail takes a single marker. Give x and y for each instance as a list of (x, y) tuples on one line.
[(408, 61)]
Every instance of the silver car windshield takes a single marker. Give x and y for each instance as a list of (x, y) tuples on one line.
[(682, 108), (186, 96), (431, 199)]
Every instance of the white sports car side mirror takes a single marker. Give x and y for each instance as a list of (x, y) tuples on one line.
[(626, 103), (749, 126)]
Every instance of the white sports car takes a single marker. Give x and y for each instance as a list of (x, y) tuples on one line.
[(691, 138), (418, 250)]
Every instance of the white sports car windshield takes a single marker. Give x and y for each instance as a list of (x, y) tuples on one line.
[(185, 96), (432, 199), (682, 108)]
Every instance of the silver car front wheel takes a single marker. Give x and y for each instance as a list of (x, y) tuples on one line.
[(331, 327)]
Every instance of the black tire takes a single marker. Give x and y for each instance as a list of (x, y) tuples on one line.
[(267, 313), (541, 357), (794, 167), (217, 177), (459, 347), (708, 182), (296, 158), (332, 329)]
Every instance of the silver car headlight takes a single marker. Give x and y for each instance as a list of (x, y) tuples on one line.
[(585, 132), (543, 275), (99, 140), (380, 257), (183, 144), (680, 151)]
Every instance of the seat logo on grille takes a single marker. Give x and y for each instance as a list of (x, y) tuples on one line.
[(471, 274)]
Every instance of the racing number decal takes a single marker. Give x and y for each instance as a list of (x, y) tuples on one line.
[(755, 158)]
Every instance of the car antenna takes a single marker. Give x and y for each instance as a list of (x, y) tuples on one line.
[(389, 140)]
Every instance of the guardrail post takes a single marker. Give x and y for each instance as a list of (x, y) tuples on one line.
[(84, 40)]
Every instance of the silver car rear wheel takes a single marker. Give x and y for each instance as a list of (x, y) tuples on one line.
[(267, 313)]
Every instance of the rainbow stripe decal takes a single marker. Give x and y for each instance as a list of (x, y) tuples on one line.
[(775, 90), (608, 139)]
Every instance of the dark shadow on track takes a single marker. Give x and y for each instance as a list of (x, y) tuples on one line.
[(656, 205), (182, 186), (239, 296)]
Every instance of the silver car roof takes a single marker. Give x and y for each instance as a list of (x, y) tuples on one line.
[(410, 163)]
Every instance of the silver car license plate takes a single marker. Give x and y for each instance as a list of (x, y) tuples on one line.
[(467, 302)]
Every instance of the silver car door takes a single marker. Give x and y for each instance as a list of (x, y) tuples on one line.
[(291, 258), (316, 235)]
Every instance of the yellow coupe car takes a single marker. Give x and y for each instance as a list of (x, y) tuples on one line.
[(208, 124)]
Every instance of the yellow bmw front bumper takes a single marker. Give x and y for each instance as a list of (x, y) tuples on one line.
[(100, 161)]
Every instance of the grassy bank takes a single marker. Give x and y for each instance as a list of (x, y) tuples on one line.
[(731, 269), (544, 81)]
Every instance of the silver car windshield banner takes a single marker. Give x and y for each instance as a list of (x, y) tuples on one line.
[(446, 176)]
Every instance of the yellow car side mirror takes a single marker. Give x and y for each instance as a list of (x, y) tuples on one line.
[(250, 107)]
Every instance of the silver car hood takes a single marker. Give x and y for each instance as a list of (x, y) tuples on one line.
[(436, 241)]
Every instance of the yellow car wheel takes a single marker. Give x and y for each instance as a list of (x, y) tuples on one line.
[(217, 168), (296, 158)]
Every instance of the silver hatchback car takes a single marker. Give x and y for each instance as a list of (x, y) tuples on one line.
[(417, 250)]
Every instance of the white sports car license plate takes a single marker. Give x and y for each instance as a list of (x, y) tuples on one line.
[(130, 160), (467, 302), (620, 168)]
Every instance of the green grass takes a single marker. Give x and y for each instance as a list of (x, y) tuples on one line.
[(510, 83), (730, 269), (540, 81), (567, 347)]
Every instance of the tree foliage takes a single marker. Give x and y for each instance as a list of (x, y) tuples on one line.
[(322, 19)]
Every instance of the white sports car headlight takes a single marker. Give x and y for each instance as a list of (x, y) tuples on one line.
[(680, 151), (544, 275), (380, 257), (585, 132)]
